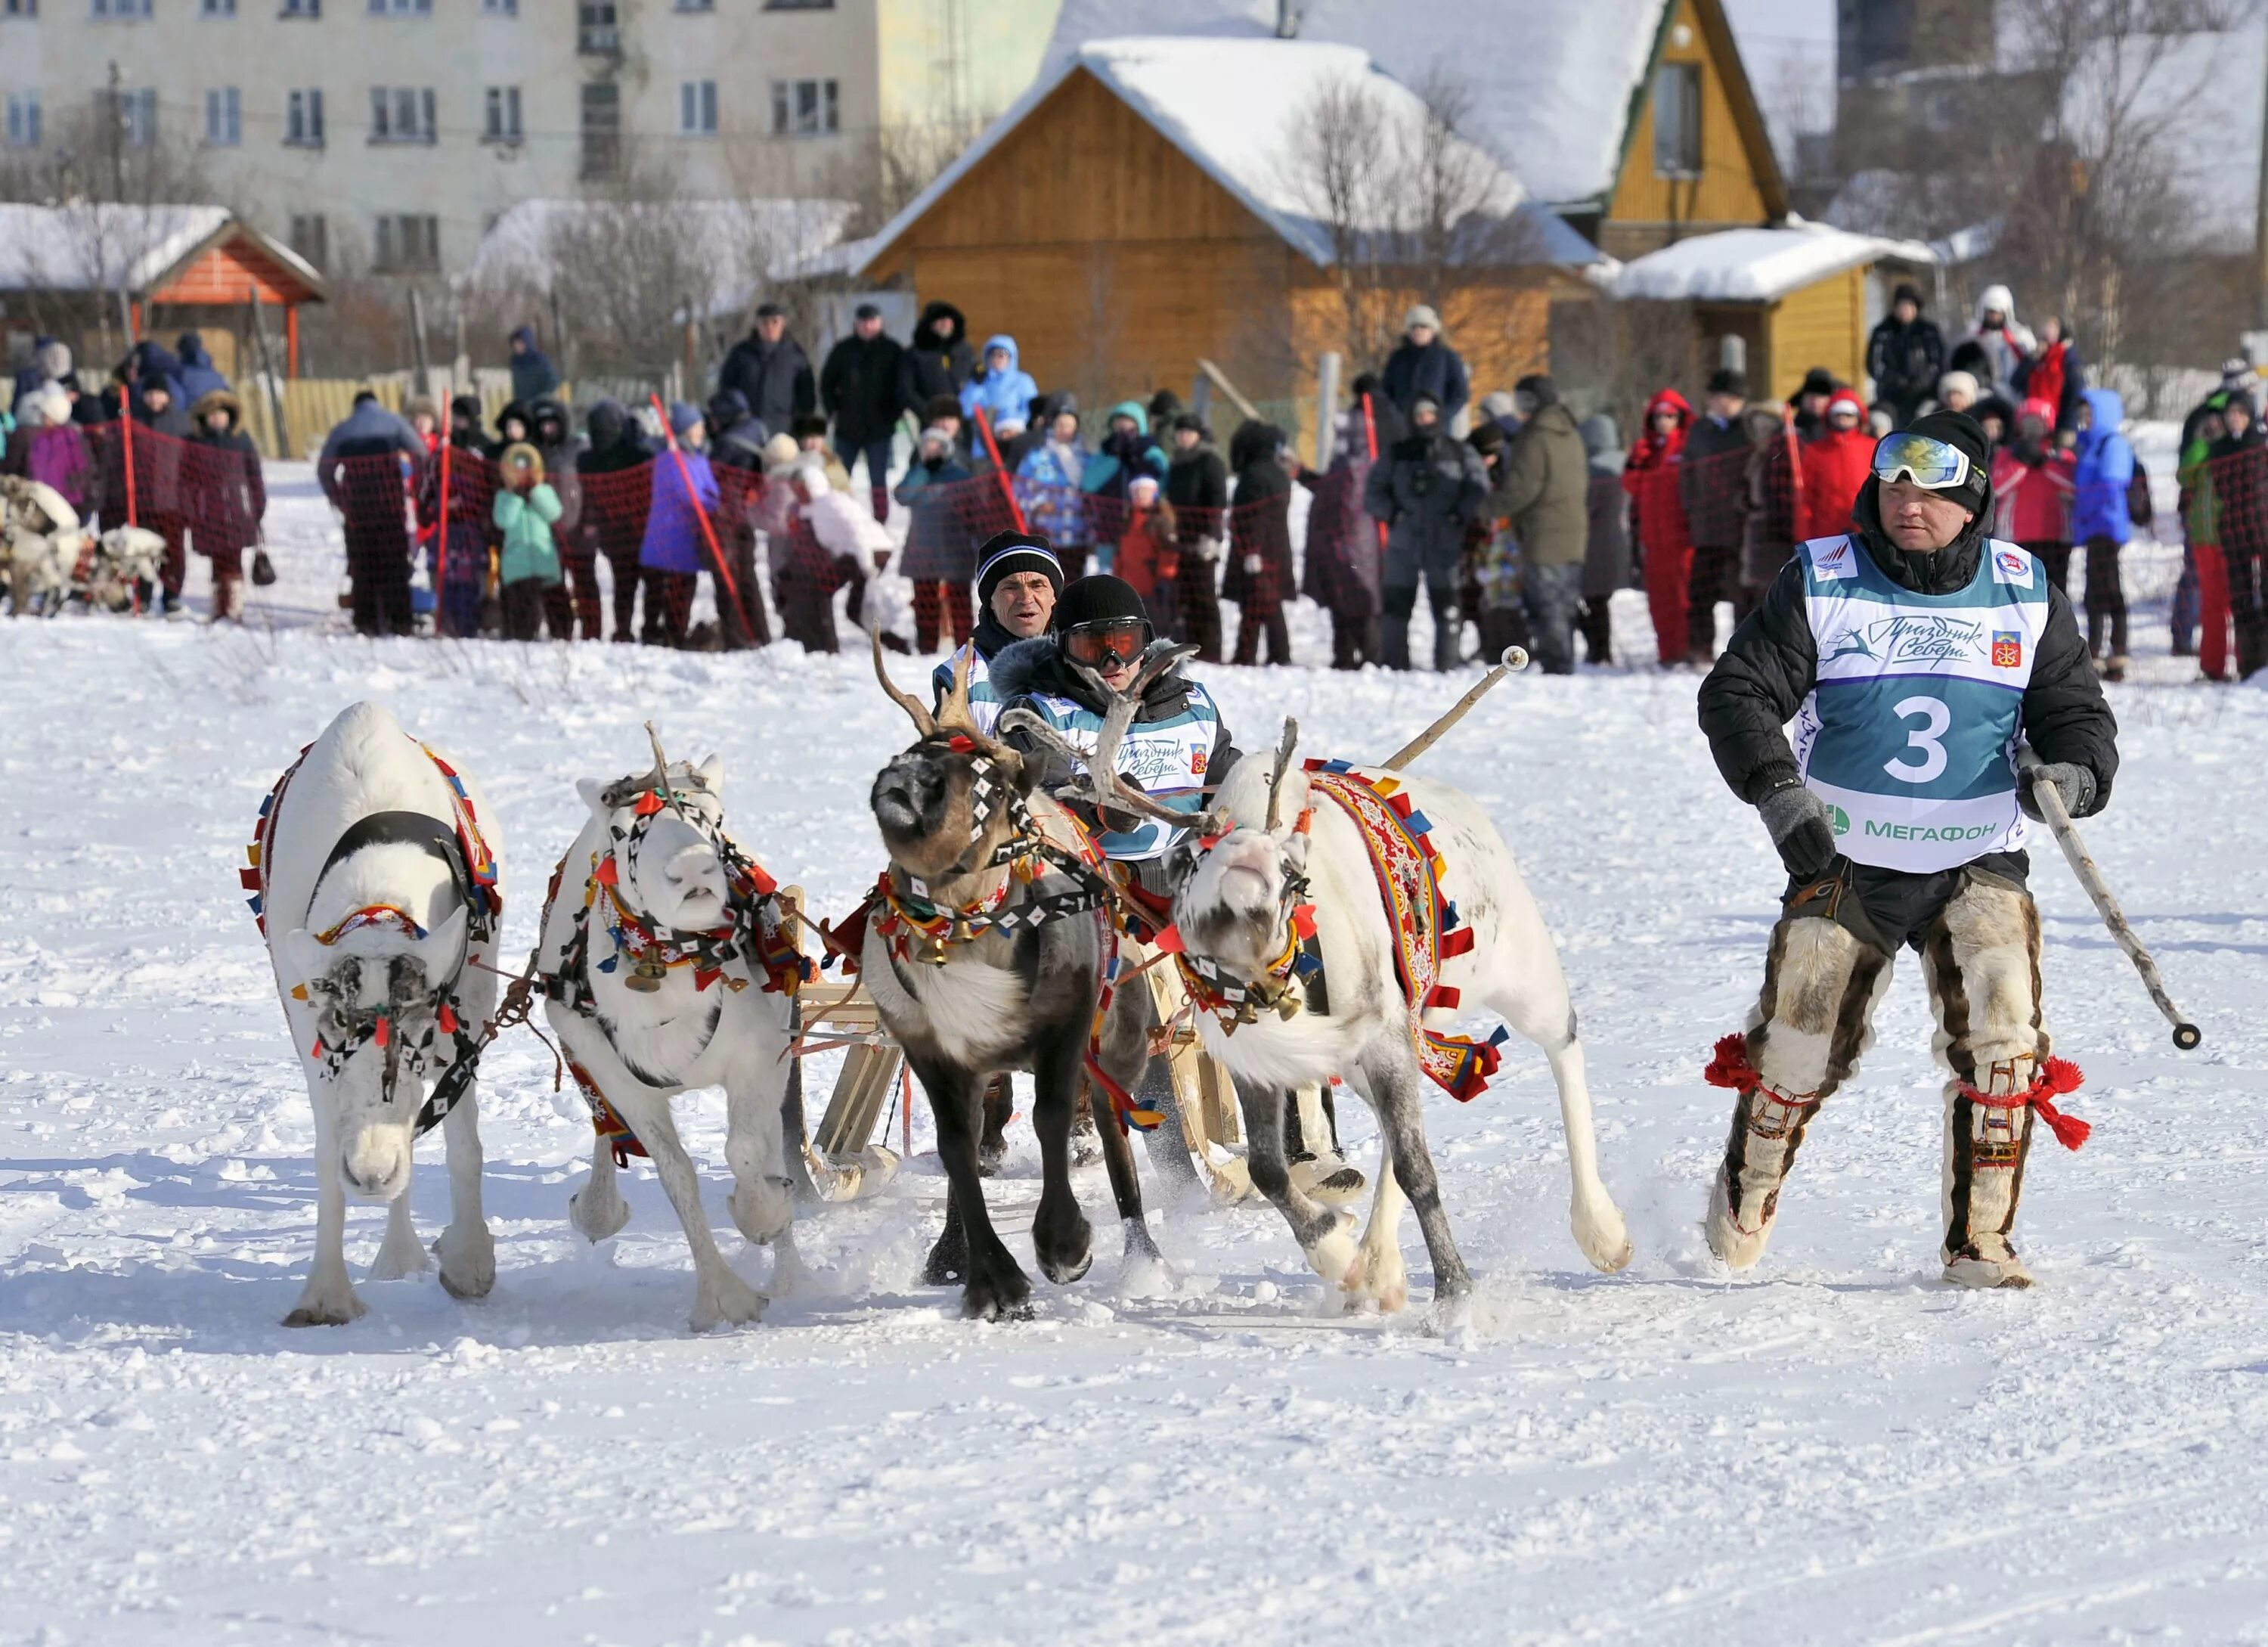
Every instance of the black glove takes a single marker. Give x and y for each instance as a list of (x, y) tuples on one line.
[(1802, 828), (2075, 784)]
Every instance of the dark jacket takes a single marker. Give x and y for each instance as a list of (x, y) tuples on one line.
[(1037, 665), (1772, 663), (1437, 370), (198, 377), (1906, 360), (532, 374), (1197, 480), (775, 379), (615, 442), (1426, 490), (1340, 570), (368, 430), (1712, 480), (1260, 524), (1543, 487), (860, 388), (231, 494), (936, 362)]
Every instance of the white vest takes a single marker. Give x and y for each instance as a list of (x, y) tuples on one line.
[(1910, 732), (1166, 760), (984, 704)]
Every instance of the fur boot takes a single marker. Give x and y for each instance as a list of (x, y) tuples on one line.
[(1813, 1020), (1984, 964), (228, 597)]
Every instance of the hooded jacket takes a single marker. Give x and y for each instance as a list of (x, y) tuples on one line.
[(673, 540), (1544, 488), (1119, 457), (1772, 663), (231, 492), (368, 430), (197, 376), (1993, 355), (1007, 392), (1835, 466), (1905, 359), (1650, 476), (1260, 523), (532, 376), (938, 361), (2032, 493), (2106, 463), (615, 442)]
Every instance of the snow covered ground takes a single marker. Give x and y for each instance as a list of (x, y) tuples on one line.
[(1836, 1447)]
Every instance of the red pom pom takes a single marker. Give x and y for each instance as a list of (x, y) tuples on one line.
[(1730, 1067)]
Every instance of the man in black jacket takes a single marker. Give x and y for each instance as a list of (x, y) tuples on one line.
[(1912, 654), (1424, 364), (1713, 479), (770, 370), (1905, 356), (938, 361), (859, 387)]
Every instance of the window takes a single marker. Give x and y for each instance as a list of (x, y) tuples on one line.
[(798, 5), (135, 113), (19, 8), (407, 240), (805, 108), (224, 118), (1677, 120), (310, 238), (400, 113), (118, 11), (697, 108), (215, 8), (696, 5), (503, 120), (596, 33), (603, 126), (303, 119), (300, 8), (23, 120), (399, 8), (500, 8)]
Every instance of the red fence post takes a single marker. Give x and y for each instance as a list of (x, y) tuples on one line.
[(1007, 490)]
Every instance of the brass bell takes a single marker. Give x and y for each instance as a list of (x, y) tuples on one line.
[(646, 977)]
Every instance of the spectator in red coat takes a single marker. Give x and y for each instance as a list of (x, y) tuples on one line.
[(2032, 491), (1835, 466), (1650, 476)]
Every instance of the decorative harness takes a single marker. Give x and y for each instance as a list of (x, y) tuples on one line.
[(472, 868), (757, 935)]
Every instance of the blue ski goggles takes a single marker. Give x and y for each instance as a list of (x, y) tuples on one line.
[(1932, 465)]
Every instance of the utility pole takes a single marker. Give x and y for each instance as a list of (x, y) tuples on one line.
[(2260, 239)]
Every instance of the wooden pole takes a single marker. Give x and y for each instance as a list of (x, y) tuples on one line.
[(267, 370), (1514, 659), (1327, 405), (418, 343)]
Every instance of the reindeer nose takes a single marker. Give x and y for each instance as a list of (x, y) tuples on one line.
[(375, 1164), (694, 868)]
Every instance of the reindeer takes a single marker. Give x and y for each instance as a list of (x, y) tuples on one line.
[(40, 533), (667, 964), (1291, 957), (984, 950), (125, 559), (374, 875)]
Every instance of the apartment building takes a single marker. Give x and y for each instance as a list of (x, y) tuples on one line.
[(387, 135)]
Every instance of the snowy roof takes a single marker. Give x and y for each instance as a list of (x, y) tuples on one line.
[(1757, 265), (1551, 80), (1232, 106), (86, 247), (723, 237)]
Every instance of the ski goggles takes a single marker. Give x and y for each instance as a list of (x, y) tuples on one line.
[(1932, 465), (1121, 638)]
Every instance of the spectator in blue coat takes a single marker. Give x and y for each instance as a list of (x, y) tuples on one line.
[(2099, 519), (198, 376), (533, 375), (675, 547), (999, 387), (1424, 364)]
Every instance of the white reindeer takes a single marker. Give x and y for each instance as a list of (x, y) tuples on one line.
[(124, 556), (374, 875), (1236, 915), (42, 540), (665, 968)]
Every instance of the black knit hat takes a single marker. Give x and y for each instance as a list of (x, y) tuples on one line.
[(1961, 430), (1818, 380), (1097, 599), (1006, 554)]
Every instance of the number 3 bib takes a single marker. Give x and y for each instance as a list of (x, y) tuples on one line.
[(1910, 732)]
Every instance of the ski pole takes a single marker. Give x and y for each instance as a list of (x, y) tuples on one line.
[(2186, 1035)]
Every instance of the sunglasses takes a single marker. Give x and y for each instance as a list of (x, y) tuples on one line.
[(1932, 465), (1119, 637)]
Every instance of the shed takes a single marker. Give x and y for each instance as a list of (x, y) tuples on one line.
[(58, 264), (1141, 209), (1799, 296)]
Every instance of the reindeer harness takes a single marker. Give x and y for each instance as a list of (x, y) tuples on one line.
[(458, 844)]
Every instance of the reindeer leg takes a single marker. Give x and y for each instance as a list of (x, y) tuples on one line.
[(399, 1254), (1395, 1088), (1384, 1275), (995, 1286), (1125, 1184), (597, 1210), (719, 1296), (757, 1148), (1061, 1235), (1126, 1054), (1327, 1236), (467, 1250), (1541, 1010), (328, 1298), (948, 1259)]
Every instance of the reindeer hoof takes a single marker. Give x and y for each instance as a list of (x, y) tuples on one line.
[(726, 1301), (467, 1268), (1006, 1297), (596, 1218), (328, 1312), (947, 1261)]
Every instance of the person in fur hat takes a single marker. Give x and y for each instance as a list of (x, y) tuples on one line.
[(229, 497), (1900, 820)]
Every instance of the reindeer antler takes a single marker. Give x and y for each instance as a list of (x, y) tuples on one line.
[(661, 763), (924, 722), (1104, 786), (1291, 741)]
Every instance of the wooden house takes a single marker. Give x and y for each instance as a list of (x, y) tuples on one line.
[(1143, 207)]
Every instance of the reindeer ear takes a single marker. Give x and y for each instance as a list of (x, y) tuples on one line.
[(306, 955), (441, 951), (590, 789), (712, 774), (1295, 851)]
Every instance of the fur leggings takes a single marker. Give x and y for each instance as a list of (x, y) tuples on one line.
[(1981, 959)]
